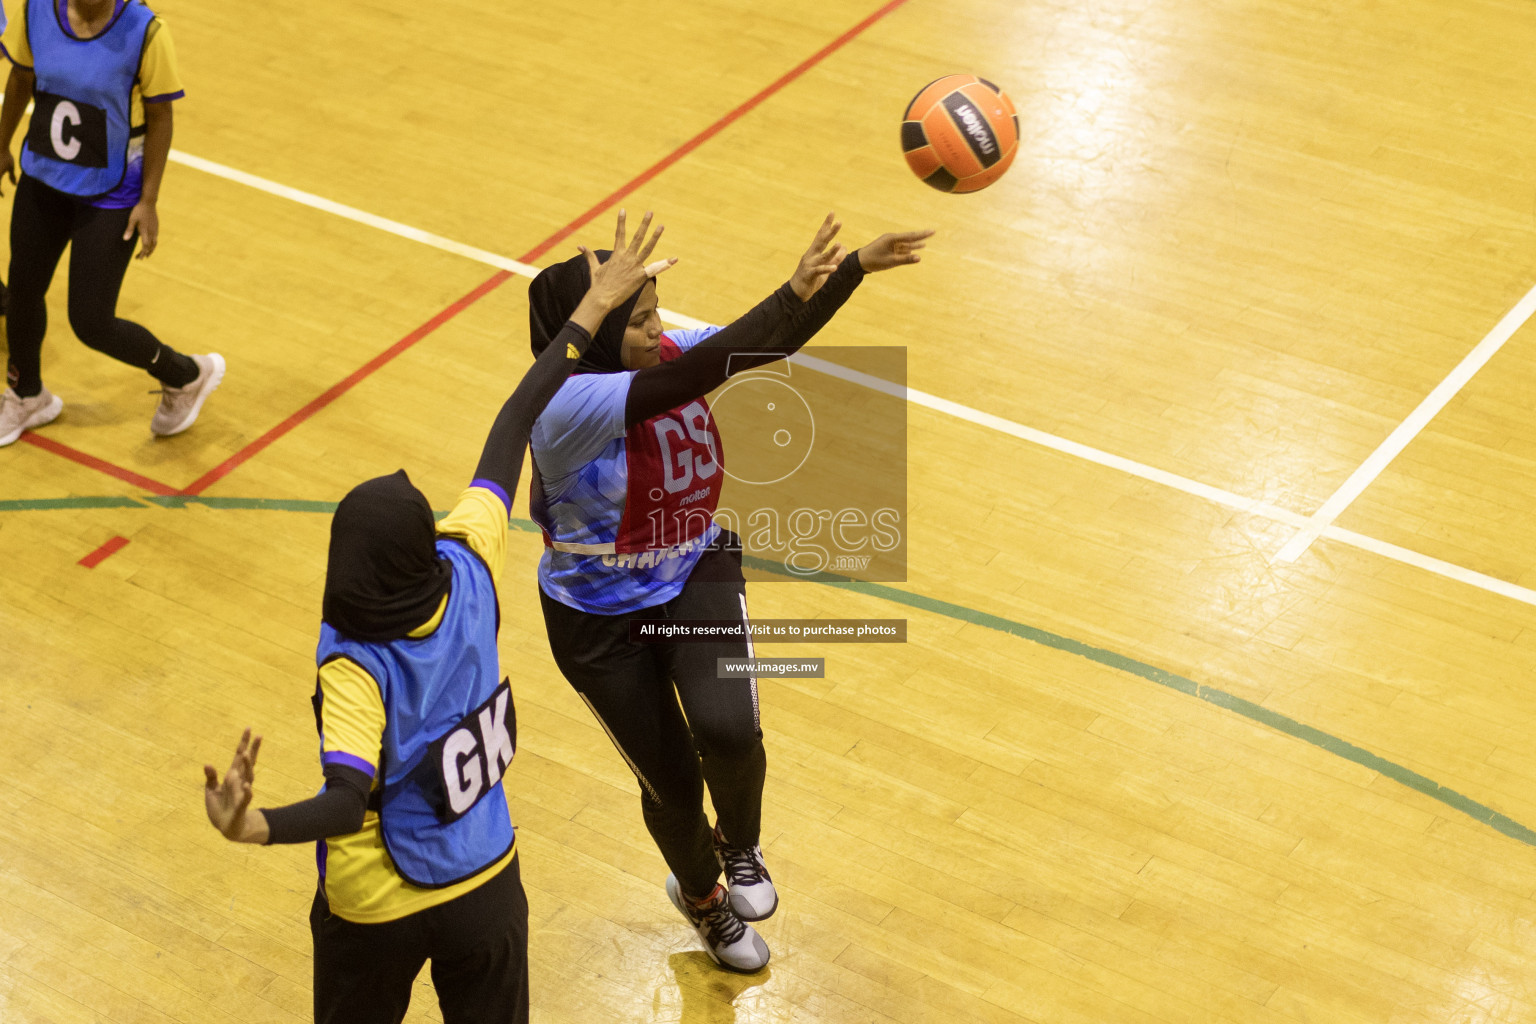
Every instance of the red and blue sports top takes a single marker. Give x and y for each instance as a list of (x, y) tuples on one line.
[(626, 513)]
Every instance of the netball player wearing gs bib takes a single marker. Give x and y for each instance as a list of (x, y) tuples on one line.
[(627, 473), (416, 851), (103, 75)]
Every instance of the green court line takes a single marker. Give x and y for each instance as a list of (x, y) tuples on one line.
[(33, 504), (1231, 702), (264, 504), (1110, 659)]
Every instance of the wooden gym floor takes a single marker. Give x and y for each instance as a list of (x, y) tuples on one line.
[(1212, 709)]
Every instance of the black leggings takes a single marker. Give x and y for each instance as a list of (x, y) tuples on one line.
[(43, 221), (675, 722)]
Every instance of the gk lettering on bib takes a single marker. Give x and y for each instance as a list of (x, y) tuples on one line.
[(674, 478), (471, 759), (70, 131)]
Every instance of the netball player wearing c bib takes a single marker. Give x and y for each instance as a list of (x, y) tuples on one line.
[(627, 473), (103, 75), (417, 853)]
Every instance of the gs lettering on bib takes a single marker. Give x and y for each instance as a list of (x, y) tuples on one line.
[(472, 757), (674, 464), (70, 131)]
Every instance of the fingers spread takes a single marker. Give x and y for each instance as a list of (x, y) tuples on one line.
[(210, 777), (649, 246), (652, 269), (825, 233), (645, 225)]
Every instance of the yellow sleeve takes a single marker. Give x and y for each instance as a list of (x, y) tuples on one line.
[(480, 519), (159, 78), (14, 39), (351, 716)]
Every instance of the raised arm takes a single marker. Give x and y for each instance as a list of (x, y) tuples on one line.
[(774, 328), (501, 461)]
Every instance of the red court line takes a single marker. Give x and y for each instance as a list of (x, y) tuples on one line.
[(104, 552), (226, 467), (340, 388), (47, 444), (708, 133)]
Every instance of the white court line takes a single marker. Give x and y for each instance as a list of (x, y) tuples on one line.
[(394, 227), (1434, 565), (1407, 430), (1060, 444), (943, 405)]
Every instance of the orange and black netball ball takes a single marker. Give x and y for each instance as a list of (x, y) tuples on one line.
[(960, 133)]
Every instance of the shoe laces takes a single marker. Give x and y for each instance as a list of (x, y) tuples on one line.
[(743, 865), (720, 923), (170, 396)]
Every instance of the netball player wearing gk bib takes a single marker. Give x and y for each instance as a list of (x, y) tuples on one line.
[(627, 474), (416, 850), (103, 75)]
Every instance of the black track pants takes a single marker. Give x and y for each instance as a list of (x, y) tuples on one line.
[(478, 945), (676, 724)]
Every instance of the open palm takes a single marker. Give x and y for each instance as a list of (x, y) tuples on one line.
[(227, 801)]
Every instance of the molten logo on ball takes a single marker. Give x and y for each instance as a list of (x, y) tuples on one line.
[(960, 133)]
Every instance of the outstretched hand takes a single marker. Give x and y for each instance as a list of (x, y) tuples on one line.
[(626, 270), (228, 801), (819, 260), (895, 249)]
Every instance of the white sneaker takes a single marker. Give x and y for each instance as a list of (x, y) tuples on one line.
[(19, 414), (729, 941), (179, 406), (753, 896)]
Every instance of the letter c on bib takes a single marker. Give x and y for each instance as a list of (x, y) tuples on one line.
[(461, 770), (65, 149)]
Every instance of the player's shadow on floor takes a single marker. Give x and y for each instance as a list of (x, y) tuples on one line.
[(709, 994)]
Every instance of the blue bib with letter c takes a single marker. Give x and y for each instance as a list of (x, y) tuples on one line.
[(78, 139)]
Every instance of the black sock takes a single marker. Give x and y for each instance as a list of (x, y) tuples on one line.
[(173, 369), (31, 389)]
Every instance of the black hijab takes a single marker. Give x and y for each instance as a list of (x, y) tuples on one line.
[(553, 297), (383, 577)]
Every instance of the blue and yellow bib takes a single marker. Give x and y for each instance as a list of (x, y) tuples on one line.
[(449, 735), (78, 139)]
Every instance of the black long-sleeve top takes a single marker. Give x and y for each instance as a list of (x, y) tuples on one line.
[(339, 808), (774, 328)]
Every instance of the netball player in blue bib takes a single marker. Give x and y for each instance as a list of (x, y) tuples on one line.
[(416, 852), (102, 75), (627, 473)]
